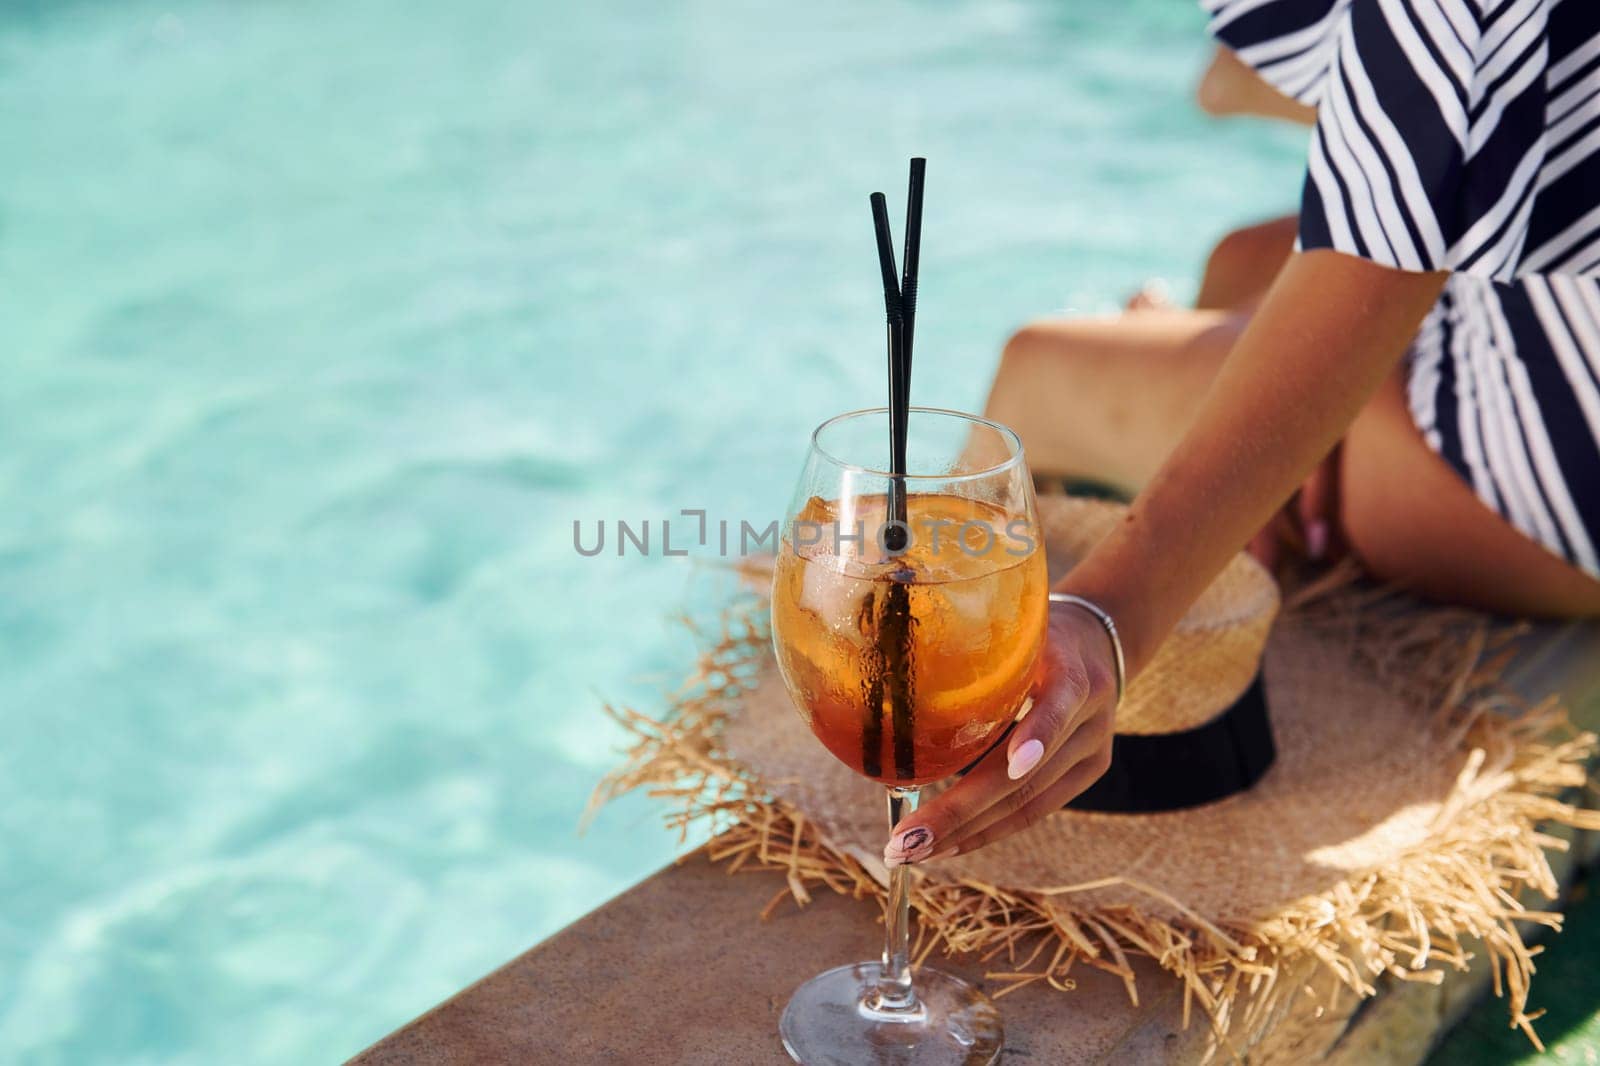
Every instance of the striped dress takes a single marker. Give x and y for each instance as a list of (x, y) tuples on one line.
[(1464, 135)]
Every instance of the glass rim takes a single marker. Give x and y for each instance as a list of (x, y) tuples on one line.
[(1007, 434)]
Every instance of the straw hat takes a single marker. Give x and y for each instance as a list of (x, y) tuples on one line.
[(1193, 726), (1213, 654), (1401, 817)]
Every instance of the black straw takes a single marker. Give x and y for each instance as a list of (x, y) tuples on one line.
[(899, 618), (895, 538), (892, 675), (910, 262)]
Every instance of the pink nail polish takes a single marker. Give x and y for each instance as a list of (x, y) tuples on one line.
[(1025, 758), (1317, 539), (909, 845)]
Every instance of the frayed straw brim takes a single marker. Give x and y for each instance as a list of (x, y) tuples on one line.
[(1403, 819)]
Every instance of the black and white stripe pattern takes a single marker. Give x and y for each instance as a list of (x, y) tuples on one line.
[(1505, 385), (1458, 135), (1464, 135)]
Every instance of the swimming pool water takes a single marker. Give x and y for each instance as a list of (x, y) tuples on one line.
[(320, 322)]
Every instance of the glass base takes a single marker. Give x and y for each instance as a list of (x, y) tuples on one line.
[(829, 1022)]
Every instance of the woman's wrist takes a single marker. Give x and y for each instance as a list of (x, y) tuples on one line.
[(1118, 660), (1118, 581), (1078, 629)]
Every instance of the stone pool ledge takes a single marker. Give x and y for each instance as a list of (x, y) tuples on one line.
[(680, 969)]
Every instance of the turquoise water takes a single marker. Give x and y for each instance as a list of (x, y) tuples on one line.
[(320, 322)]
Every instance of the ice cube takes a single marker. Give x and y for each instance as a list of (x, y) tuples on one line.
[(833, 598), (970, 602)]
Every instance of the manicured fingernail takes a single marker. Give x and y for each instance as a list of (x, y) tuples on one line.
[(1025, 758), (908, 846), (1317, 539)]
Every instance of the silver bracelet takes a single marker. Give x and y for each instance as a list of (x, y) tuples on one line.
[(1111, 631)]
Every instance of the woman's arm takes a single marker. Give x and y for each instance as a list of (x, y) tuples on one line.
[(1329, 330), (1230, 87)]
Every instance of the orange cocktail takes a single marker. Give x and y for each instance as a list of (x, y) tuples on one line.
[(908, 667)]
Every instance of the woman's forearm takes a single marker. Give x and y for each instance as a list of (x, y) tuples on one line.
[(1322, 341)]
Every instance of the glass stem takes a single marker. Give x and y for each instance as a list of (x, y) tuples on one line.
[(894, 989)]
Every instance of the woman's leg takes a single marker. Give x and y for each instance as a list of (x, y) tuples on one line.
[(1242, 266), (1238, 271), (1109, 399), (1412, 520)]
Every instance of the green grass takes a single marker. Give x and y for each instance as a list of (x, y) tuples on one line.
[(1567, 986)]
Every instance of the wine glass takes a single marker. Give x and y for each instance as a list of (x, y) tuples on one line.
[(907, 615)]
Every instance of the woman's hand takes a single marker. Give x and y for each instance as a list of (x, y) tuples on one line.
[(1308, 525), (1058, 749)]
